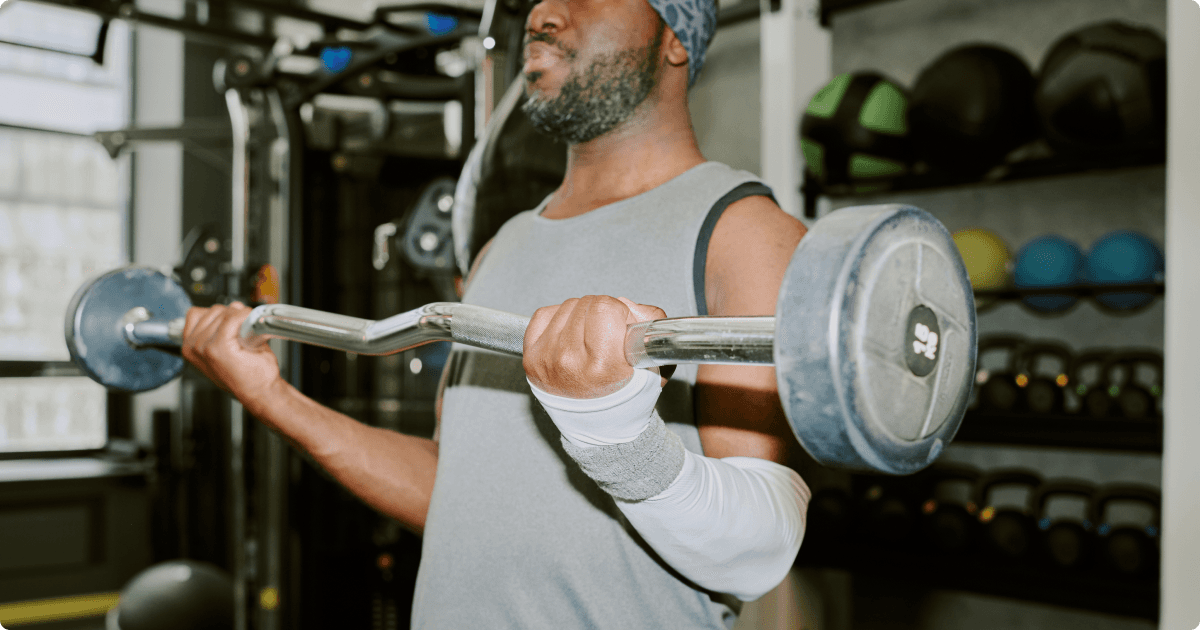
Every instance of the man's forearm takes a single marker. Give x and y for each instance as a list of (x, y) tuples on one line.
[(730, 525), (391, 472)]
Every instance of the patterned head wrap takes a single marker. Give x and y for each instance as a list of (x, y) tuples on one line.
[(694, 22)]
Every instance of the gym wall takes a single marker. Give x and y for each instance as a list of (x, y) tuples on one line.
[(725, 102)]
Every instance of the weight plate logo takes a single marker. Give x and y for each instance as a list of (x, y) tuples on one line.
[(922, 337)]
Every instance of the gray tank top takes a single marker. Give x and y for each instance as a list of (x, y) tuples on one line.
[(516, 535)]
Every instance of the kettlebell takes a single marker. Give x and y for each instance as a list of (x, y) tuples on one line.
[(1045, 392), (949, 525), (1127, 550), (1008, 532), (887, 511), (1066, 542), (1093, 392), (998, 389), (1135, 400)]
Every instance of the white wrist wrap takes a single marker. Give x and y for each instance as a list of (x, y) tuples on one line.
[(613, 419), (618, 440)]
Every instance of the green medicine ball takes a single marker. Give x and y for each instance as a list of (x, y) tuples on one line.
[(855, 132)]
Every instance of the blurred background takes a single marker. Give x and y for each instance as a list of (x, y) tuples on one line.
[(353, 157)]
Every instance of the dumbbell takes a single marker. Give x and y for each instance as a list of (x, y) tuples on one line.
[(1134, 400), (1008, 532), (1066, 542), (1128, 551), (998, 389), (950, 525), (1095, 399), (873, 339), (1044, 394)]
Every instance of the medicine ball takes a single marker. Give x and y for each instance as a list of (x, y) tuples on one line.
[(1124, 257), (970, 107), (1048, 261), (854, 132), (176, 595), (1104, 88), (987, 260)]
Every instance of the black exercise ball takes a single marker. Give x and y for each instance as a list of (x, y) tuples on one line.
[(177, 595), (1103, 88), (970, 108), (854, 132)]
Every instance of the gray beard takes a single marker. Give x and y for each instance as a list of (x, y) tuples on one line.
[(593, 102)]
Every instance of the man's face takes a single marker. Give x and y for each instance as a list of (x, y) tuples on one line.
[(589, 64)]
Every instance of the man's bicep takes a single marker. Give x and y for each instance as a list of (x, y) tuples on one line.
[(739, 414), (737, 406)]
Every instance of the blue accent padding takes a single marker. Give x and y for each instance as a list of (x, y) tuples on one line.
[(439, 24), (336, 58)]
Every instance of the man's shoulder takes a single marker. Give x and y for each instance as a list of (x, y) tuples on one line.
[(754, 219), (750, 249), (712, 168)]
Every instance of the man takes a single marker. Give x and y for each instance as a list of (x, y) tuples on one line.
[(566, 489)]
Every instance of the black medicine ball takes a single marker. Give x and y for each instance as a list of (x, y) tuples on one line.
[(176, 595), (970, 107), (854, 131), (1103, 88)]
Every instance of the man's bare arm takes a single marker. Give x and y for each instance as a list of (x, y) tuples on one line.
[(389, 471), (738, 406)]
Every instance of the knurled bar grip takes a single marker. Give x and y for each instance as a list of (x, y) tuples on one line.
[(730, 340)]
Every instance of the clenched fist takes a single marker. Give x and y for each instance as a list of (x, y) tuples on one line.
[(577, 349), (211, 343)]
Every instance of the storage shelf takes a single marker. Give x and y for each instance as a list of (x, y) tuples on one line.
[(1016, 171), (1062, 431), (1083, 291), (980, 574)]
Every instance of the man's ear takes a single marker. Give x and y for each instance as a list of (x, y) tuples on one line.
[(676, 54)]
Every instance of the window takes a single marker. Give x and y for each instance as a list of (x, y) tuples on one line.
[(63, 212)]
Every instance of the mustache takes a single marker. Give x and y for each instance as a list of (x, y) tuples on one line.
[(547, 38)]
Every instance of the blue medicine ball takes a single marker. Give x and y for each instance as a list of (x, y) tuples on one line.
[(1048, 261), (1124, 257)]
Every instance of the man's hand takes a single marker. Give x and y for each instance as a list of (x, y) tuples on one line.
[(210, 342), (577, 349)]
